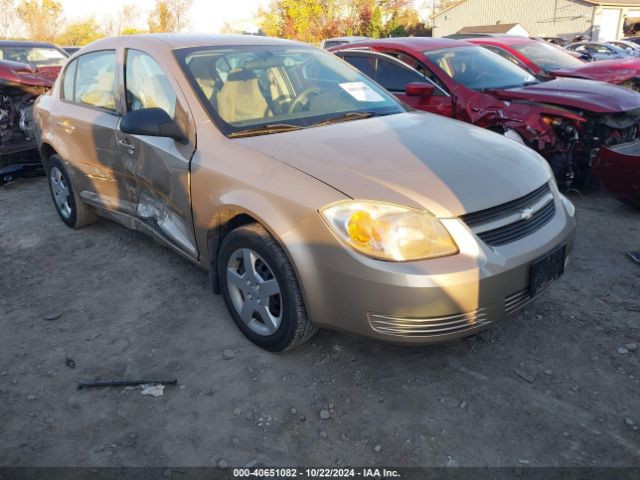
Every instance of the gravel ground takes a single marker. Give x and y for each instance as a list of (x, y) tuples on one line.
[(557, 385)]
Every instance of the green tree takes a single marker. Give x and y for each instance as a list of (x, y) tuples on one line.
[(375, 28), (305, 20), (80, 33), (132, 31), (41, 18), (314, 20)]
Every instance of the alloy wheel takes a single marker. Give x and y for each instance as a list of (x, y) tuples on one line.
[(254, 291), (61, 194)]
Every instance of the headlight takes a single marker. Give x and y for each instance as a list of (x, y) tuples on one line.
[(389, 232)]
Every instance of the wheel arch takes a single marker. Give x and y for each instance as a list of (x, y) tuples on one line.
[(46, 152), (225, 221)]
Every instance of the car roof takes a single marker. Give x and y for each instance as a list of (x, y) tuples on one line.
[(25, 43), (333, 39), (416, 43), (502, 40), (185, 40), (590, 42)]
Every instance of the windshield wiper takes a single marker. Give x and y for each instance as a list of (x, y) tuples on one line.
[(266, 130), (346, 117)]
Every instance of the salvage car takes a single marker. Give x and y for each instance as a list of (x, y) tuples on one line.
[(629, 47), (313, 197), (566, 120), (550, 61), (599, 50), (27, 69)]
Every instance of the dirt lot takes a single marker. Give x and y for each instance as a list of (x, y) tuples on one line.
[(549, 387)]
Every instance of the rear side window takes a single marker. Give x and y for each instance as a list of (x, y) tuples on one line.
[(147, 85), (69, 81), (394, 78), (96, 80)]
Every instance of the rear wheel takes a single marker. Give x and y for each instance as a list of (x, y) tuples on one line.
[(71, 209), (261, 290)]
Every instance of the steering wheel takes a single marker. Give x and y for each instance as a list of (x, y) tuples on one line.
[(303, 97)]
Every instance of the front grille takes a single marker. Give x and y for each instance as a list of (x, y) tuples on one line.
[(516, 301), (428, 327), (521, 228), (507, 224), (514, 206)]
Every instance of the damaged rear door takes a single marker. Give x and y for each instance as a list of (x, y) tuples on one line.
[(159, 166)]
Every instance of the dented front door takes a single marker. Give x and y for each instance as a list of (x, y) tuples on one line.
[(159, 166)]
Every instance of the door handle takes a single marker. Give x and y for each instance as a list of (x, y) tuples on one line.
[(128, 145), (66, 125)]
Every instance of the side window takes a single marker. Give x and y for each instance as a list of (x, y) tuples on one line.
[(147, 86), (394, 78), (96, 80), (69, 80), (365, 64), (416, 65)]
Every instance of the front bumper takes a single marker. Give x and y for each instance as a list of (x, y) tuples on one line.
[(426, 301)]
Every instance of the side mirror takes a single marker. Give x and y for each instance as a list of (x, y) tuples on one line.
[(586, 57), (154, 122), (419, 89)]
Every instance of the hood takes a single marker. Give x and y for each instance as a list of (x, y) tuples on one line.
[(612, 71), (25, 74), (596, 97), (415, 159)]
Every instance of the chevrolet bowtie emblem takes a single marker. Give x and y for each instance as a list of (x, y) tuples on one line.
[(526, 214)]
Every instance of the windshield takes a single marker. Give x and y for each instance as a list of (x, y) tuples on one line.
[(248, 87), (480, 69), (34, 56), (547, 57)]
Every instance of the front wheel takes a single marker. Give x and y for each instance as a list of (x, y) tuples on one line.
[(261, 290)]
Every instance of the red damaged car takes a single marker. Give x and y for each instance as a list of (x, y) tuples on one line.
[(565, 120), (544, 59), (27, 70)]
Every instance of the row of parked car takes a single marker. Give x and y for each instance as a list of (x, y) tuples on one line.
[(526, 89), (568, 122), (320, 195)]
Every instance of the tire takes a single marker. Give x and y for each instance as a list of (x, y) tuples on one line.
[(273, 321), (71, 209)]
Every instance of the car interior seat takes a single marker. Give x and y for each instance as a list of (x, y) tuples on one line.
[(240, 98)]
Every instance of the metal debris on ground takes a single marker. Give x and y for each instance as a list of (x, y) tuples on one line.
[(153, 390), (51, 316), (126, 383), (635, 256)]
